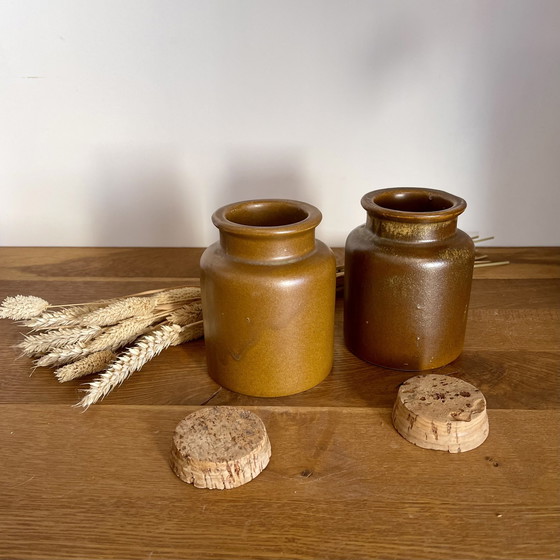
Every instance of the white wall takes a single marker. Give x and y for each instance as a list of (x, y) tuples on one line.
[(127, 122)]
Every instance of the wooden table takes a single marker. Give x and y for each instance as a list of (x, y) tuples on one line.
[(341, 482)]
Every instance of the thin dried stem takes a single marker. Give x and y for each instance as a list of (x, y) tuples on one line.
[(159, 290), (177, 295), (497, 263)]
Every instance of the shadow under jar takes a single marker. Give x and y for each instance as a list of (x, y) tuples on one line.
[(268, 295), (408, 274)]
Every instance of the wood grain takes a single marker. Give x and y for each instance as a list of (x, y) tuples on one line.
[(95, 263), (98, 485), (341, 482), (494, 360), (525, 262)]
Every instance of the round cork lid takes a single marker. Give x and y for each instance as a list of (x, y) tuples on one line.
[(441, 412), (220, 447)]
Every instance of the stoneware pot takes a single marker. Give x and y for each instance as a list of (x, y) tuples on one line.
[(408, 273), (268, 295)]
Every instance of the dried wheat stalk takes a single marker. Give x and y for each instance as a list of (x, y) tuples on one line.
[(98, 361), (134, 358), (111, 338), (84, 338), (22, 307), (119, 311), (67, 317), (131, 360), (186, 314), (45, 342)]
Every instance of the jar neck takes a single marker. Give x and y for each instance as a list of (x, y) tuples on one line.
[(411, 232), (412, 214), (267, 230), (271, 248)]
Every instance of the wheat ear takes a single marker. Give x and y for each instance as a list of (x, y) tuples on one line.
[(190, 332), (44, 342), (119, 311), (131, 360), (123, 333), (186, 314), (67, 317), (93, 363), (19, 307), (62, 356), (111, 338)]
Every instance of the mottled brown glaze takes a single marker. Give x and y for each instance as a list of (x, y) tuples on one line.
[(268, 294), (408, 273)]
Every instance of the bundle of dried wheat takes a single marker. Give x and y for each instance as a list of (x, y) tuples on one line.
[(85, 338)]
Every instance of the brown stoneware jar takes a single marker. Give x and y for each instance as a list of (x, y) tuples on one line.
[(268, 295), (408, 273)]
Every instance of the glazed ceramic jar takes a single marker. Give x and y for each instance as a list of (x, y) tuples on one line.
[(268, 295), (408, 273)]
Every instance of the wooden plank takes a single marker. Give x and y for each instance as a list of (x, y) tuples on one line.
[(92, 263), (523, 329), (503, 329), (522, 293), (510, 378), (340, 484), (525, 262), (494, 361), (177, 376), (65, 292)]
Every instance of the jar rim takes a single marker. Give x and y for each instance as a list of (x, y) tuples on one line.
[(413, 204), (267, 216)]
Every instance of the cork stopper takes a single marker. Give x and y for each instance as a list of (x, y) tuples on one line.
[(220, 447), (441, 412)]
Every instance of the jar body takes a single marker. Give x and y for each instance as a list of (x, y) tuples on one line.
[(408, 281), (268, 303)]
